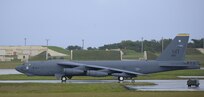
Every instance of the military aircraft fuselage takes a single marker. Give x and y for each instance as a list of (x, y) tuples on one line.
[(50, 68)]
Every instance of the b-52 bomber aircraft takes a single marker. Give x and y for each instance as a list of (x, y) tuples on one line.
[(172, 58)]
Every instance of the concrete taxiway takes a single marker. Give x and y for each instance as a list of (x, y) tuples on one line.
[(8, 71), (167, 85)]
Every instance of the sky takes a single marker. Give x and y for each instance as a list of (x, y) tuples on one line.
[(98, 22)]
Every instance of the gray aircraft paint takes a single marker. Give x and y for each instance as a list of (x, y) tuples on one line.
[(171, 59)]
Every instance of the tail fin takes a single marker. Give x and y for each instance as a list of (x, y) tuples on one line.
[(176, 49)]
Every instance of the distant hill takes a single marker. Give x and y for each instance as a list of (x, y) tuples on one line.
[(39, 57), (59, 49), (192, 51), (96, 55)]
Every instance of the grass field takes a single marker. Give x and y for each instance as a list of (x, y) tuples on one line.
[(59, 49), (107, 94), (198, 57), (131, 54), (83, 90), (8, 65), (172, 74), (96, 55)]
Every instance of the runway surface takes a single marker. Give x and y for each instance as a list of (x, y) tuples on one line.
[(168, 85), (8, 71), (161, 85)]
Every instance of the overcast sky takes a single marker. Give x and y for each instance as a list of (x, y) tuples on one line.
[(98, 22)]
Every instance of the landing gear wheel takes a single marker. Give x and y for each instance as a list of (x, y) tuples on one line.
[(63, 79), (120, 78), (132, 80), (69, 77)]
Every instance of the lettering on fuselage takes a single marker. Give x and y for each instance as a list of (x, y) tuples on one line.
[(174, 52)]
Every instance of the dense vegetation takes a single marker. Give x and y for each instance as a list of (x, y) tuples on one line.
[(152, 45), (148, 45)]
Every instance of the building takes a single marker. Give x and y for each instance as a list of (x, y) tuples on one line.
[(9, 53)]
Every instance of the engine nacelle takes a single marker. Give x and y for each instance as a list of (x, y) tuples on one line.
[(96, 73), (120, 75), (72, 71)]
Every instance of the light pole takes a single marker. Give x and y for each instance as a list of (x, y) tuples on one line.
[(25, 39), (47, 42), (162, 43), (142, 46), (82, 44)]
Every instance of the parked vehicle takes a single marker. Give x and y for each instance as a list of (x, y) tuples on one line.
[(193, 82)]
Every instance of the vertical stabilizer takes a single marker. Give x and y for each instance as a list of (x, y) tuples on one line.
[(176, 49)]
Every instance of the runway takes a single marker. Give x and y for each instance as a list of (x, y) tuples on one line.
[(8, 71), (161, 85), (167, 85)]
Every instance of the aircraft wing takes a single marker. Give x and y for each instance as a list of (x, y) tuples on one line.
[(173, 66), (99, 68)]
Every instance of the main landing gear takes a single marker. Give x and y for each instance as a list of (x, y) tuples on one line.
[(64, 78), (121, 79)]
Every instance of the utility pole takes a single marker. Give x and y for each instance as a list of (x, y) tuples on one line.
[(162, 44), (82, 44), (142, 46), (47, 43), (25, 39)]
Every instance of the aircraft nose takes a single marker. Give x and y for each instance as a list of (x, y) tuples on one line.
[(19, 68)]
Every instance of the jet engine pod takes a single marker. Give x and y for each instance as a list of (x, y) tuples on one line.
[(120, 75), (71, 71), (96, 73)]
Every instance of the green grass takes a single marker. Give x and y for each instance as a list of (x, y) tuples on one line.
[(172, 74), (107, 94), (198, 57), (39, 57), (192, 51), (9, 65), (59, 49), (59, 88), (82, 90), (95, 55), (131, 54)]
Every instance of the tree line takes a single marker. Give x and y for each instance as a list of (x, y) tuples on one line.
[(148, 45)]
